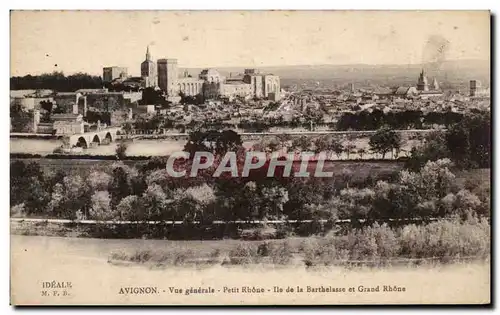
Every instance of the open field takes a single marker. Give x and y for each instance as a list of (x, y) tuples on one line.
[(360, 169), (84, 263)]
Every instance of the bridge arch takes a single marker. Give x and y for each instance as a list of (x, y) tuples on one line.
[(82, 143), (109, 137), (96, 139)]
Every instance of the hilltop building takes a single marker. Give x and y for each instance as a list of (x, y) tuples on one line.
[(110, 74), (211, 84)]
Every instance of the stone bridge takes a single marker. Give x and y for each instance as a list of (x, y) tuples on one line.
[(93, 138)]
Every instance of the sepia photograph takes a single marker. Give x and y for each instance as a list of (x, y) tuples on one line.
[(250, 157)]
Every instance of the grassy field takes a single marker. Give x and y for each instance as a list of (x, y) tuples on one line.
[(84, 263), (359, 169)]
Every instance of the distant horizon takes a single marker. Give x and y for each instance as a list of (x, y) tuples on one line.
[(264, 67), (87, 41)]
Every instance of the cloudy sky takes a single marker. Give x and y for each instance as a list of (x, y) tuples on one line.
[(85, 41)]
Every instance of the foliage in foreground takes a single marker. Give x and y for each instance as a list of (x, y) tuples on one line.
[(440, 241)]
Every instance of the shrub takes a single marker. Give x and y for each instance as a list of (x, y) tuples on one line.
[(17, 211), (244, 253), (320, 251), (121, 150), (284, 231), (446, 238), (281, 253), (260, 233)]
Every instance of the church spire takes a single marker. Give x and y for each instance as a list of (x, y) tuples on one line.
[(435, 84), (148, 55)]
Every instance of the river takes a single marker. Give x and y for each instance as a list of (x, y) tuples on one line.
[(84, 263)]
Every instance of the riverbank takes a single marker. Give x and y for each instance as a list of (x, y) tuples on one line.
[(84, 264), (440, 241)]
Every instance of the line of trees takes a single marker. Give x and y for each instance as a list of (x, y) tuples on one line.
[(382, 142), (467, 144), (364, 120), (125, 193), (408, 119), (56, 81)]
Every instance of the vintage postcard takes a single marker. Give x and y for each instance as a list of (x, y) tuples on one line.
[(250, 157)]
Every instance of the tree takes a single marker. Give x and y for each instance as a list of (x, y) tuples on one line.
[(337, 147), (47, 105), (120, 186), (433, 148), (284, 140), (56, 81), (130, 208), (273, 199), (321, 144), (150, 96), (155, 204), (19, 118), (361, 152), (349, 148), (385, 140), (127, 127), (469, 142), (302, 143), (69, 197), (213, 141), (37, 198), (426, 187), (355, 204), (28, 185), (99, 181), (101, 207), (191, 204)]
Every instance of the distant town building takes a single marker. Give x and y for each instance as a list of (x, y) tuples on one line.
[(111, 73), (271, 84), (236, 88), (148, 71), (211, 84), (423, 87), (190, 86), (67, 124), (422, 84), (405, 91), (477, 90), (262, 84), (435, 85), (98, 100)]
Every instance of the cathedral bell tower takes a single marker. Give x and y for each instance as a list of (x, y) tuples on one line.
[(422, 84), (148, 70)]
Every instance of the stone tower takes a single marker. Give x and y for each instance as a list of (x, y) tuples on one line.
[(168, 73), (435, 85), (148, 70), (422, 84)]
